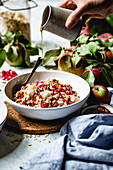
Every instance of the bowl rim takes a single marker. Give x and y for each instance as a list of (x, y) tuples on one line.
[(5, 112), (54, 108)]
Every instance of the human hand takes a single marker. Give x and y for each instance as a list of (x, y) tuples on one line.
[(88, 8)]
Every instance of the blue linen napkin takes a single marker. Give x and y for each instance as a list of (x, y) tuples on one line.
[(85, 143)]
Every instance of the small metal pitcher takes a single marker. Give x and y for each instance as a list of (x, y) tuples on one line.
[(53, 20)]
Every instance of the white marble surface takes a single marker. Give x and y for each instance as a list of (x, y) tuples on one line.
[(16, 148)]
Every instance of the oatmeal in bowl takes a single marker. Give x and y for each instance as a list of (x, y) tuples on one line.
[(46, 94), (49, 94)]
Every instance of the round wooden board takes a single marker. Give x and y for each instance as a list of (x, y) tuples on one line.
[(19, 123)]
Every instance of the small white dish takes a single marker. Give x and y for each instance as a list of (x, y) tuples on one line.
[(78, 84), (3, 114)]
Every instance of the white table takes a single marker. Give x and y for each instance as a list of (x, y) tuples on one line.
[(12, 151)]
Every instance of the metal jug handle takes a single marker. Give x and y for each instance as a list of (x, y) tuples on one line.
[(2, 3)]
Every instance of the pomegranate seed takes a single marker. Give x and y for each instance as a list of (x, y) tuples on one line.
[(35, 99), (61, 88), (68, 88), (63, 100), (53, 89), (61, 85), (67, 92), (37, 83), (32, 103), (41, 86), (40, 96), (53, 86), (52, 93), (70, 102), (70, 92), (61, 96), (56, 90), (67, 101), (24, 102), (42, 105), (21, 95)]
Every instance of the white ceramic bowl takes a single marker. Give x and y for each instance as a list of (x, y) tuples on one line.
[(3, 114), (78, 84)]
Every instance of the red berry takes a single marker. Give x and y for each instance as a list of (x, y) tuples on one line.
[(67, 101), (24, 102), (61, 85), (61, 96), (52, 93), (61, 88), (32, 103), (53, 86), (40, 96), (68, 88), (67, 92), (37, 83), (50, 107), (70, 92), (70, 102)]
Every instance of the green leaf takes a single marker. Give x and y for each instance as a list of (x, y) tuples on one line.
[(93, 47), (107, 43), (93, 65), (94, 38), (27, 58), (52, 55), (109, 19), (49, 67), (26, 55), (108, 73), (77, 58), (82, 39), (89, 77), (84, 50), (111, 49), (9, 36), (2, 42), (68, 61), (2, 56), (33, 51), (91, 61), (89, 48), (12, 54)]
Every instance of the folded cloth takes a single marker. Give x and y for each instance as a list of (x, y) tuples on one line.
[(85, 143)]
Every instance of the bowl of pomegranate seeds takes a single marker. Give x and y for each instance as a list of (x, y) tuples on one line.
[(8, 75), (48, 95)]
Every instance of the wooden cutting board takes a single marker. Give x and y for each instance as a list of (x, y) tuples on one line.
[(16, 122)]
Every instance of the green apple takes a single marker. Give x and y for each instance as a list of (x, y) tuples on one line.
[(101, 93), (67, 63), (15, 55)]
